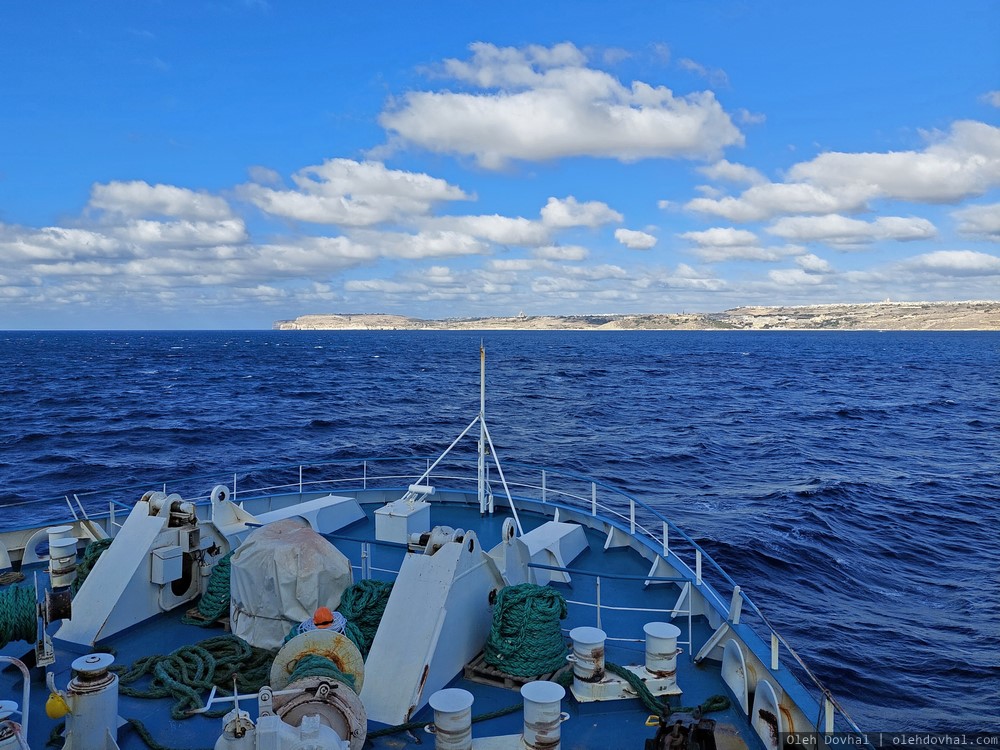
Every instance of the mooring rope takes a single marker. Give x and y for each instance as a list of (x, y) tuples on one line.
[(17, 614), (525, 639), (91, 554), (189, 671), (363, 605), (215, 601)]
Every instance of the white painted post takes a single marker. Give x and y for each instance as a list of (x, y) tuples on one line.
[(544, 491), (774, 652), (300, 481), (364, 475), (593, 498), (666, 540), (736, 606), (598, 584), (631, 516), (697, 566), (827, 715)]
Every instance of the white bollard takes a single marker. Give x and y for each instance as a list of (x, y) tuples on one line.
[(62, 556), (588, 654), (542, 717), (93, 700), (452, 727), (661, 648)]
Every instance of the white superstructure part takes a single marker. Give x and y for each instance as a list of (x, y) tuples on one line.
[(436, 620), (153, 565)]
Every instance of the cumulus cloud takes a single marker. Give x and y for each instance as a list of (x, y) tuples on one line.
[(138, 198), (730, 172), (839, 230), (540, 103), (813, 264), (715, 76), (794, 277), (349, 193), (569, 212), (980, 221), (635, 239), (955, 263), (962, 163), (721, 237), (561, 252), (720, 244), (992, 98)]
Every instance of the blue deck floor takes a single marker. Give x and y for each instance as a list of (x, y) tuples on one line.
[(618, 724)]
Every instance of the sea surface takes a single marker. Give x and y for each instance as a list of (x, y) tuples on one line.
[(849, 481)]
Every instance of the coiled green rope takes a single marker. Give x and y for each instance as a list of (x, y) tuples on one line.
[(17, 614), (314, 665), (525, 639), (91, 554), (215, 601), (189, 671), (363, 605)]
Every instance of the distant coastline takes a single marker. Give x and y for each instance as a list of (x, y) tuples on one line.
[(873, 316)]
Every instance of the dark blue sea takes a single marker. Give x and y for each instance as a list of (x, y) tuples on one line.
[(849, 481)]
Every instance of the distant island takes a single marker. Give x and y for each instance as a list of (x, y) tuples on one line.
[(873, 316)]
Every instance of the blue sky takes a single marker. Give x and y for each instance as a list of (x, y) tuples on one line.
[(226, 164)]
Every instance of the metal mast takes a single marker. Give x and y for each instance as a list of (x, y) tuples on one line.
[(482, 429)]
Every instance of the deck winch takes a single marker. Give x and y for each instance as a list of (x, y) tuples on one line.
[(11, 733)]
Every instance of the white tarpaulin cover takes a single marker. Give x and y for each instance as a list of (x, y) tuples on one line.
[(280, 575)]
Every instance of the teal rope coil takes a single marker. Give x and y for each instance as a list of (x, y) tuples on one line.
[(186, 673), (91, 554), (214, 603), (525, 639), (314, 665), (17, 615), (363, 605)]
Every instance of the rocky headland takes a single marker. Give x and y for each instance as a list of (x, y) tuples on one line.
[(887, 316)]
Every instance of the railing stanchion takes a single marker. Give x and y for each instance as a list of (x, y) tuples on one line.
[(631, 516), (774, 652), (736, 606), (666, 540), (364, 475), (234, 487), (598, 598), (300, 481), (543, 486), (593, 498), (697, 565)]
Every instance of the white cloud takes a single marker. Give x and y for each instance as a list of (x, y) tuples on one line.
[(354, 194), (634, 239), (962, 163), (731, 172), (561, 252), (541, 103), (980, 221), (715, 76), (503, 230), (813, 264), (182, 233), (839, 230), (992, 98), (794, 277), (571, 213), (721, 237), (138, 198), (955, 263)]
